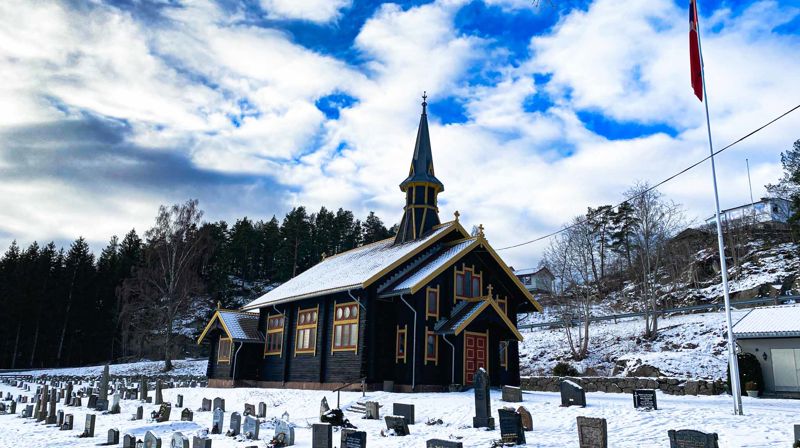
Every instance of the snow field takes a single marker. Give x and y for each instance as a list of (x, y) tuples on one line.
[(767, 423)]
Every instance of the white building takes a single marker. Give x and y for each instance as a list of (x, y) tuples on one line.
[(767, 210)]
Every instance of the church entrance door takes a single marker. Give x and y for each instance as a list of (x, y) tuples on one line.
[(476, 354)]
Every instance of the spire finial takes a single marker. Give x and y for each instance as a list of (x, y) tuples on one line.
[(456, 214), (424, 102), (480, 231)]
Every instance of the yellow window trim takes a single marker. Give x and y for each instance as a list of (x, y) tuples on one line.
[(220, 359), (428, 314), (274, 331), (352, 320), (463, 270), (503, 304), (504, 357), (397, 356), (435, 357), (314, 326)]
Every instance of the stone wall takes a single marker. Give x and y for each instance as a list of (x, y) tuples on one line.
[(672, 386)]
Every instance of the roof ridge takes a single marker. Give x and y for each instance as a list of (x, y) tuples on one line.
[(355, 248)]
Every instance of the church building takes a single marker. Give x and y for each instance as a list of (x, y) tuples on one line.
[(424, 309)]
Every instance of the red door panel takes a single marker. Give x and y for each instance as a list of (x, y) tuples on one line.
[(474, 354)]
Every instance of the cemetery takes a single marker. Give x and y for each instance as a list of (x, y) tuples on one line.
[(263, 417)]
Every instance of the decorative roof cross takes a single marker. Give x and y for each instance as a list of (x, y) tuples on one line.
[(456, 214), (424, 102), (480, 230), (490, 288)]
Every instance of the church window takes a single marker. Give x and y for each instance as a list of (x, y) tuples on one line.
[(432, 302), (401, 344), (431, 347), (345, 327), (503, 304), (224, 350), (504, 354), (468, 283), (306, 340), (274, 343)]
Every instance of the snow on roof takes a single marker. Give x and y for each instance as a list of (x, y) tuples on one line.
[(242, 326), (347, 270), (427, 269), (527, 271), (769, 321)]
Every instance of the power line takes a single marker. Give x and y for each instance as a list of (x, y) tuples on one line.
[(563, 229)]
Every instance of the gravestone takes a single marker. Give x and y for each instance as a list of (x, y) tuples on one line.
[(115, 409), (104, 384), (92, 403), (511, 426), (101, 405), (51, 414), (206, 406), (217, 421), (143, 389), (139, 413), (440, 443), (284, 432), (129, 441), (688, 438), (797, 433), (483, 412), (262, 410), (113, 437), (68, 423), (60, 418), (28, 411), (354, 439), (163, 413), (572, 394), (88, 428), (592, 432), (527, 419), (179, 441), (512, 394), (179, 401), (251, 427), (404, 410), (187, 415), (398, 424), (219, 403), (644, 399), (12, 407), (372, 410), (151, 441), (321, 435), (323, 407), (68, 394), (249, 409), (235, 425), (159, 394), (201, 442)]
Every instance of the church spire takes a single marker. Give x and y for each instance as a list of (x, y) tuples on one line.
[(421, 186)]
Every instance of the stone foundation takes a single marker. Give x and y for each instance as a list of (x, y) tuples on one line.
[(672, 386)]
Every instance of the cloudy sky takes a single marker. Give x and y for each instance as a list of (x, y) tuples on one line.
[(110, 108)]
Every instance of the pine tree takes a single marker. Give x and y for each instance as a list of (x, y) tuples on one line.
[(294, 252), (374, 230)]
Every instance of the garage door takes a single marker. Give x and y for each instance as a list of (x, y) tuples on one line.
[(786, 369)]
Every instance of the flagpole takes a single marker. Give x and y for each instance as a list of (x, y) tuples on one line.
[(733, 361)]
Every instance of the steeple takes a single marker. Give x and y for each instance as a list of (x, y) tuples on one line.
[(421, 186)]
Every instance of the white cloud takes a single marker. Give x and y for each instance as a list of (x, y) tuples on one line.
[(320, 11)]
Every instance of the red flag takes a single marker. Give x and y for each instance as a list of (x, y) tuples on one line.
[(694, 52)]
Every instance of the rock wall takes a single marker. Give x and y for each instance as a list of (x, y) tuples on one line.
[(672, 386)]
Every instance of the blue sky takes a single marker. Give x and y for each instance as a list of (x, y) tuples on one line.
[(111, 108)]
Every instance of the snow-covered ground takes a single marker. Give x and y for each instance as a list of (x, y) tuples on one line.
[(688, 346), (193, 367), (767, 423)]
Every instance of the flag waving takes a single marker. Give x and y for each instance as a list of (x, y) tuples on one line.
[(694, 52)]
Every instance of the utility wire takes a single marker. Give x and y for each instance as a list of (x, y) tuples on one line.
[(582, 221)]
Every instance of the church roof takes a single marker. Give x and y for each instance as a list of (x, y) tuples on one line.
[(422, 162), (239, 326), (356, 268), (439, 262), (467, 311)]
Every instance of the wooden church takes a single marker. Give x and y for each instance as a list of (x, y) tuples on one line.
[(424, 309)]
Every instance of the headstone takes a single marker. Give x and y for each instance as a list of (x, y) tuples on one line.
[(101, 405), (163, 413), (512, 394), (321, 435), (398, 424), (483, 412), (354, 439), (68, 423), (201, 442), (404, 410), (644, 399), (527, 419), (323, 407), (159, 394), (28, 411), (179, 401), (592, 432), (151, 441), (440, 443), (142, 388), (572, 394), (284, 432), (88, 428), (139, 413), (511, 427), (206, 406), (372, 410), (217, 421), (249, 409), (113, 437), (68, 394), (179, 441), (251, 427), (115, 408), (51, 414), (688, 438), (104, 384), (12, 407), (92, 403), (219, 403), (129, 441), (796, 433), (235, 425), (187, 415), (262, 410), (60, 418)]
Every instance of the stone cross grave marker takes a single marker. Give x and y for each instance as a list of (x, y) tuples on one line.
[(249, 409), (572, 394), (527, 419), (511, 426), (251, 427), (354, 439), (284, 432), (113, 437), (644, 399), (398, 424), (440, 443), (217, 421), (201, 442), (592, 432), (235, 425), (512, 394), (129, 441), (688, 438), (179, 441), (219, 403), (206, 406), (187, 415), (372, 410), (151, 441), (88, 428), (404, 410), (321, 435), (179, 401), (483, 411)]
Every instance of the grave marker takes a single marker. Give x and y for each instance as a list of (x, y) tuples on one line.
[(527, 419), (115, 408), (235, 425), (572, 394), (592, 432), (404, 410), (206, 406), (88, 427), (512, 394), (139, 413), (151, 441), (323, 407), (163, 413), (159, 394), (439, 443), (113, 437), (354, 439), (321, 435), (187, 415), (219, 403), (251, 427), (372, 410), (398, 424), (218, 421), (645, 399), (68, 422), (179, 441), (483, 412), (179, 401), (284, 432), (262, 410), (201, 442), (511, 427), (129, 441), (688, 438), (249, 409)]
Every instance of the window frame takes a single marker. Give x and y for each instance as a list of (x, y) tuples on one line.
[(342, 323), (428, 291), (220, 359), (274, 331), (434, 357), (473, 274), (313, 327), (504, 354), (503, 304), (404, 356)]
